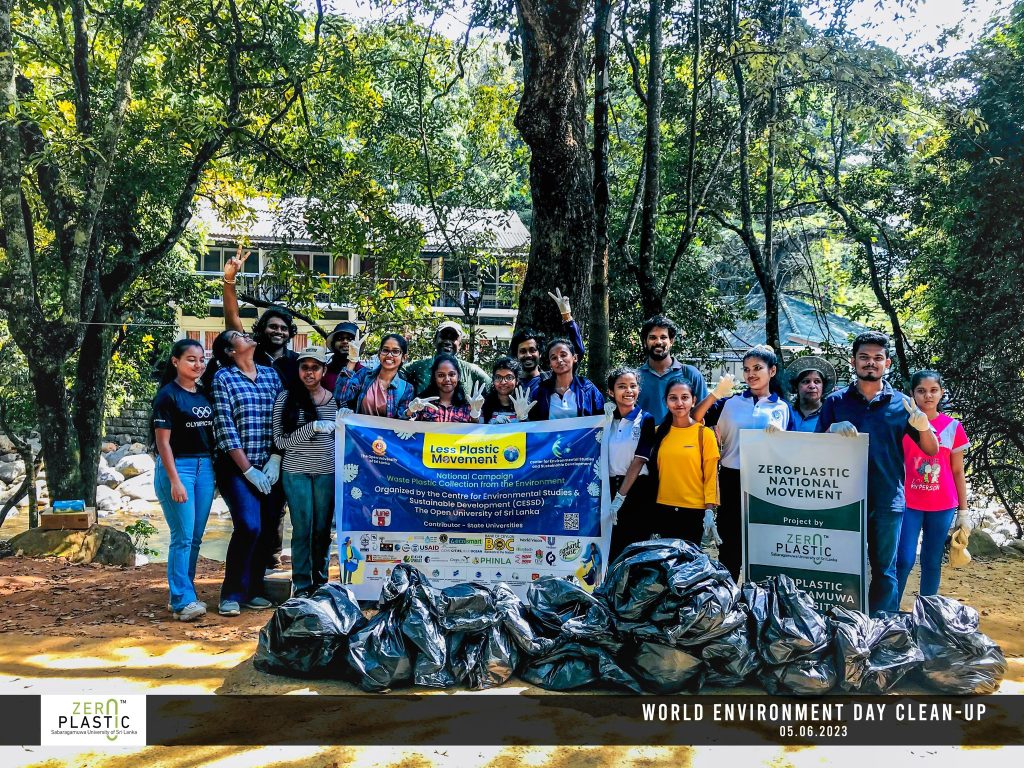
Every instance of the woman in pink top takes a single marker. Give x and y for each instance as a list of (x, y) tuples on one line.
[(935, 488)]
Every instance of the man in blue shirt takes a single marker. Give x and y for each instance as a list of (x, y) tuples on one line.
[(658, 335), (870, 405)]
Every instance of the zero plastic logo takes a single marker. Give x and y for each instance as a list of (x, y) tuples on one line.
[(92, 720)]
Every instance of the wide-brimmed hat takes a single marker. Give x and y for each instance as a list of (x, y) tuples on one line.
[(343, 327), (313, 353), (801, 365)]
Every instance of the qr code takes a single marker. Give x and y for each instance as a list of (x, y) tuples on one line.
[(572, 521)]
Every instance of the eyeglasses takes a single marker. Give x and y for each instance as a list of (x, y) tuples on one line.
[(390, 353), (241, 335), (505, 379)]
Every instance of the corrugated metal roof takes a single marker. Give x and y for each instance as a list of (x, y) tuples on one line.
[(283, 220), (800, 323)]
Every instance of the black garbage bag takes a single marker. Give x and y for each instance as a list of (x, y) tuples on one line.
[(308, 637), (516, 618), (707, 611), (573, 665), (786, 623), (467, 607), (639, 579), (563, 608), (809, 676), (872, 655), (377, 653), (731, 658), (663, 669), (483, 659), (958, 659)]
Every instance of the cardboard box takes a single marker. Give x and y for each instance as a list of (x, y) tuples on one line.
[(73, 521)]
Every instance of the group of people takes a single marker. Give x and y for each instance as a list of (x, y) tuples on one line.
[(258, 424)]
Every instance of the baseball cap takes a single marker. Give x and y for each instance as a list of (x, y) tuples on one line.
[(450, 324), (346, 326), (313, 353)]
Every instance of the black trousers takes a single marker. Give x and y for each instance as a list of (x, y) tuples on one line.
[(631, 526), (678, 523), (730, 551)]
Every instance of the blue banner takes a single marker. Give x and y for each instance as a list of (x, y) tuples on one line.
[(470, 502)]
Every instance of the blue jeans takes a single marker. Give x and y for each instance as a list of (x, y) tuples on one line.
[(311, 505), (186, 521), (935, 526), (254, 517), (883, 537)]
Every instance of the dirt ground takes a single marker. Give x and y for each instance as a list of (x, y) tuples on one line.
[(83, 628)]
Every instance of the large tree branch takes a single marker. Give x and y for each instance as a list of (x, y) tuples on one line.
[(80, 69)]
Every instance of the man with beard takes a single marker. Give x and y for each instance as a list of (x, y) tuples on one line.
[(658, 334), (272, 332), (870, 405), (527, 345), (448, 340), (344, 342)]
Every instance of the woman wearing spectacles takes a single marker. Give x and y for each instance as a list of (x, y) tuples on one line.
[(380, 391), (502, 402)]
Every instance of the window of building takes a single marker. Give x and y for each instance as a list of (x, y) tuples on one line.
[(322, 263), (300, 341)]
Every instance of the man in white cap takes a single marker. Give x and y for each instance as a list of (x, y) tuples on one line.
[(447, 340), (344, 342)]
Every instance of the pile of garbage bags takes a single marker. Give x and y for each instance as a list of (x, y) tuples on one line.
[(667, 619)]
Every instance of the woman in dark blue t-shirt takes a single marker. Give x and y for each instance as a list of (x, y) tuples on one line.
[(183, 433)]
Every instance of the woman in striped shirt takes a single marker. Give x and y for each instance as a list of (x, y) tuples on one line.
[(304, 422)]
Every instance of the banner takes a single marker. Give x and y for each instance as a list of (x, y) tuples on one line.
[(471, 502), (805, 512)]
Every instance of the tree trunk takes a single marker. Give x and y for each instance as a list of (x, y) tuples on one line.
[(56, 430), (598, 343), (30, 481), (552, 121), (650, 296), (90, 395)]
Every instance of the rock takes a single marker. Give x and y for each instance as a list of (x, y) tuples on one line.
[(107, 448), (139, 487), (135, 464), (100, 544), (983, 543), (42, 493), (116, 455), (1017, 544), (6, 446), (140, 507), (109, 477), (107, 499), (137, 448), (219, 507), (12, 470)]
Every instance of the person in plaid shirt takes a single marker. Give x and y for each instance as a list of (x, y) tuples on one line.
[(247, 472), (380, 391)]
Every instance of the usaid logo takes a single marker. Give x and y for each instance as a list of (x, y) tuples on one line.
[(202, 411)]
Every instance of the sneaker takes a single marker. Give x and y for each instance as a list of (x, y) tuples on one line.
[(258, 603), (191, 612), (229, 608)]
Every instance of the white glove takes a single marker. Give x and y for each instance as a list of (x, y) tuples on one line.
[(260, 481), (918, 419), (522, 403), (272, 469), (355, 346), (711, 527), (615, 506), (844, 428), (323, 426), (562, 302), (419, 403), (963, 520), (476, 401), (773, 428), (724, 386), (343, 412)]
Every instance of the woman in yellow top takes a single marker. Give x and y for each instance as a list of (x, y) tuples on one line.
[(685, 468)]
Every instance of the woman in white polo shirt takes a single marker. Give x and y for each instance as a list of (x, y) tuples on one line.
[(760, 406), (630, 436)]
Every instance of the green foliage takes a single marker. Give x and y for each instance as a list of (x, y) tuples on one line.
[(140, 532)]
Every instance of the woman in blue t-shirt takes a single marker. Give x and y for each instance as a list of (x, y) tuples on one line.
[(182, 425)]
